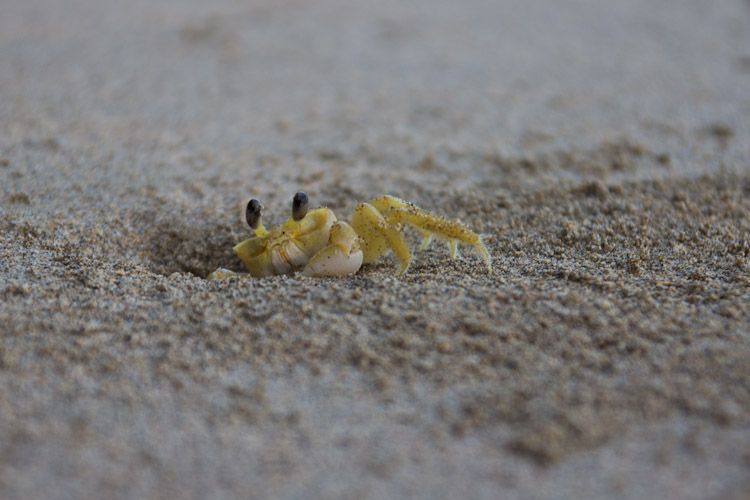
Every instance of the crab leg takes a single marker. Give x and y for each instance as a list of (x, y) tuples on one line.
[(379, 236), (222, 273), (399, 211), (426, 240)]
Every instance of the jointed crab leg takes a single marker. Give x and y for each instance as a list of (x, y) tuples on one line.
[(222, 273), (398, 212), (379, 236)]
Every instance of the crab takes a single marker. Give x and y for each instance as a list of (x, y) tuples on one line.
[(318, 244)]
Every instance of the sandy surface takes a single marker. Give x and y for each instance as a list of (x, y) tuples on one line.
[(602, 148)]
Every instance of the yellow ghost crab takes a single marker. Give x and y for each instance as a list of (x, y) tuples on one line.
[(319, 244)]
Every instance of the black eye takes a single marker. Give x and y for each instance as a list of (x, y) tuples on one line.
[(252, 213), (299, 206)]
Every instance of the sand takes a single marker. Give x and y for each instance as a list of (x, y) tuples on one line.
[(601, 147)]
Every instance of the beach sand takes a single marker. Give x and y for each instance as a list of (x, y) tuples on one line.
[(601, 148)]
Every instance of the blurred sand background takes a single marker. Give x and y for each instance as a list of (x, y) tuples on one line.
[(602, 148)]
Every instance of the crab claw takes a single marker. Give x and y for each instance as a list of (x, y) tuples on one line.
[(343, 254)]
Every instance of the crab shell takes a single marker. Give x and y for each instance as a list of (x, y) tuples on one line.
[(319, 244)]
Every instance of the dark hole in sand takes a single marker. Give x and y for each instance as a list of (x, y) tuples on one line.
[(189, 242)]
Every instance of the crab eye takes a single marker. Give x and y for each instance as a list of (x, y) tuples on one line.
[(252, 213), (299, 206)]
